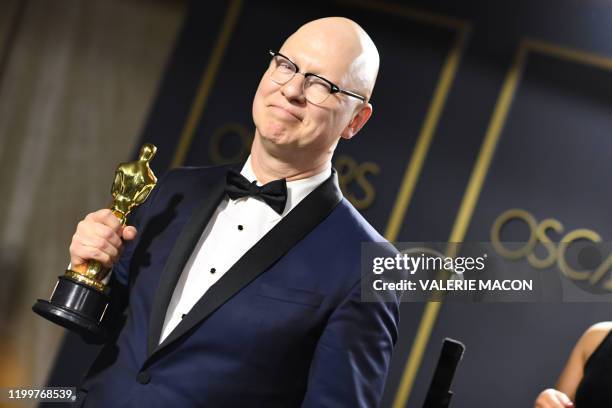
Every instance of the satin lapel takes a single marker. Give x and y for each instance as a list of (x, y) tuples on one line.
[(309, 213), (187, 240)]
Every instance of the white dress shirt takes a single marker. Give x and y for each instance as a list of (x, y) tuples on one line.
[(233, 229)]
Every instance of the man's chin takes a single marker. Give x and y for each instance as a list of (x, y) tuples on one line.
[(276, 139)]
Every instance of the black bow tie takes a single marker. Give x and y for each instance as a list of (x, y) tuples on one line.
[(274, 193)]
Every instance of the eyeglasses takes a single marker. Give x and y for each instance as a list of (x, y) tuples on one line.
[(316, 89)]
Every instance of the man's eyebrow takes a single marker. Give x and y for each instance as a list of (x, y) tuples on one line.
[(316, 71)]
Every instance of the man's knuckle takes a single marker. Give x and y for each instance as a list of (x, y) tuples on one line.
[(107, 233), (101, 243)]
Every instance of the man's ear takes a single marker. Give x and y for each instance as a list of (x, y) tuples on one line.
[(359, 119)]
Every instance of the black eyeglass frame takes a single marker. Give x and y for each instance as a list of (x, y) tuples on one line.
[(333, 87)]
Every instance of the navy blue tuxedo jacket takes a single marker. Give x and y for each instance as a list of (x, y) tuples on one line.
[(284, 327)]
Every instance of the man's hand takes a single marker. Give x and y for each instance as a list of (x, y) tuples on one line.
[(98, 237), (552, 398)]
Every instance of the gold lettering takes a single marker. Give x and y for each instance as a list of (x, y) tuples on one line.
[(549, 223), (506, 217), (601, 271), (350, 171), (566, 241), (556, 252)]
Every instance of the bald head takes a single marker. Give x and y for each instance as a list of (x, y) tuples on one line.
[(343, 42), (295, 127)]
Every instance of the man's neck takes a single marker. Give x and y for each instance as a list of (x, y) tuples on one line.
[(268, 167)]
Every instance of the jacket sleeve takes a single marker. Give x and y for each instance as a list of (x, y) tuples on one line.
[(352, 357)]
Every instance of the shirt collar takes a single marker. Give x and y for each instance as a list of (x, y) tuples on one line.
[(297, 190)]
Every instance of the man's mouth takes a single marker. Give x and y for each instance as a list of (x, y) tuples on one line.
[(286, 113)]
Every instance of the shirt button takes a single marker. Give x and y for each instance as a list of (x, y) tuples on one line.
[(240, 227), (143, 377), (183, 316), (213, 270)]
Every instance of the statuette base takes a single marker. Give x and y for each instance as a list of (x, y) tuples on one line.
[(75, 306)]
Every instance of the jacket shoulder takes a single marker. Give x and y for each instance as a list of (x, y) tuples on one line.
[(356, 226)]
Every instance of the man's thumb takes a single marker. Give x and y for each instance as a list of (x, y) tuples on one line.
[(129, 233), (566, 401)]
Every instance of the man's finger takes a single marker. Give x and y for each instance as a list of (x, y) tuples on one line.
[(106, 217), (107, 233)]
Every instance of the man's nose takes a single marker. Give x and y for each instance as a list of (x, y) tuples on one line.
[(293, 90)]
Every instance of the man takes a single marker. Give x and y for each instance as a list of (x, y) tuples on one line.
[(237, 295)]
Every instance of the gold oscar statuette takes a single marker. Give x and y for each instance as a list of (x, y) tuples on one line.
[(80, 297)]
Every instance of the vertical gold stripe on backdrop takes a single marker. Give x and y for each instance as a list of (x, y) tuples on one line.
[(463, 218), (415, 164), (416, 354), (206, 83), (487, 149)]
